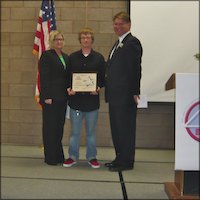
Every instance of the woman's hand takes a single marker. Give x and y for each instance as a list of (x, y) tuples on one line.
[(48, 101)]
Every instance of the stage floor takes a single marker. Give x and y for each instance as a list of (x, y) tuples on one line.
[(24, 175)]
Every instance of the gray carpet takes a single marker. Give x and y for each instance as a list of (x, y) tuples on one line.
[(24, 175)]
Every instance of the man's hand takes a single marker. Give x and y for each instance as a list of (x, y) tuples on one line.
[(136, 99)]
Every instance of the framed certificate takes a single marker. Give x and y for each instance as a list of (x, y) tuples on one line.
[(84, 82)]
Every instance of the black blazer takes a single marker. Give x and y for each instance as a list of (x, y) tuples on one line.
[(53, 76), (124, 72)]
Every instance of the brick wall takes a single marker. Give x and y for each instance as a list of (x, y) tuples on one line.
[(20, 116)]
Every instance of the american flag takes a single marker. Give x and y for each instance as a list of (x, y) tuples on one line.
[(46, 23)]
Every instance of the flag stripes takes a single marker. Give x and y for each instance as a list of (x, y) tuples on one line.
[(46, 23)]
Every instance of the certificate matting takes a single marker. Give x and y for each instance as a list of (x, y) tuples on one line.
[(84, 82)]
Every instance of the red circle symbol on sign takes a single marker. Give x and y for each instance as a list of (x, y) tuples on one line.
[(192, 121)]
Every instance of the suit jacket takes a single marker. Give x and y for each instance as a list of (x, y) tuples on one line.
[(124, 72), (53, 76)]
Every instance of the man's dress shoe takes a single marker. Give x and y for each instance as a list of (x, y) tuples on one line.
[(109, 164), (118, 168)]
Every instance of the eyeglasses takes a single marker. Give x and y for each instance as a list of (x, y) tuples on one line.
[(58, 39), (86, 37)]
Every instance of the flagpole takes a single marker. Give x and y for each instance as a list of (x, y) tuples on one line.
[(86, 11), (45, 24)]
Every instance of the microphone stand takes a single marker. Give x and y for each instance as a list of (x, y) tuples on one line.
[(123, 185)]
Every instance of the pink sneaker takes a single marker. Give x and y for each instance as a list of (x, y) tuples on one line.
[(94, 163), (69, 162)]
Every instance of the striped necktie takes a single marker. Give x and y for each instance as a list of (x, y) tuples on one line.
[(114, 49)]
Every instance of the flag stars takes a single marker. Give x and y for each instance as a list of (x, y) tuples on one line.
[(48, 13)]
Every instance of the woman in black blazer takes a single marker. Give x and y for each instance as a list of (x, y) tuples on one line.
[(53, 97)]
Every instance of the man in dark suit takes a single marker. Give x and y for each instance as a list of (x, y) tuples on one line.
[(122, 92)]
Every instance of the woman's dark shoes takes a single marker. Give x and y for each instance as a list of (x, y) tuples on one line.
[(51, 163), (54, 163)]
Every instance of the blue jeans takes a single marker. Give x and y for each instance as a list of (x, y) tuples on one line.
[(76, 117)]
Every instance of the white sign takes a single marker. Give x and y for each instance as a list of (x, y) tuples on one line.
[(142, 102), (187, 138)]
